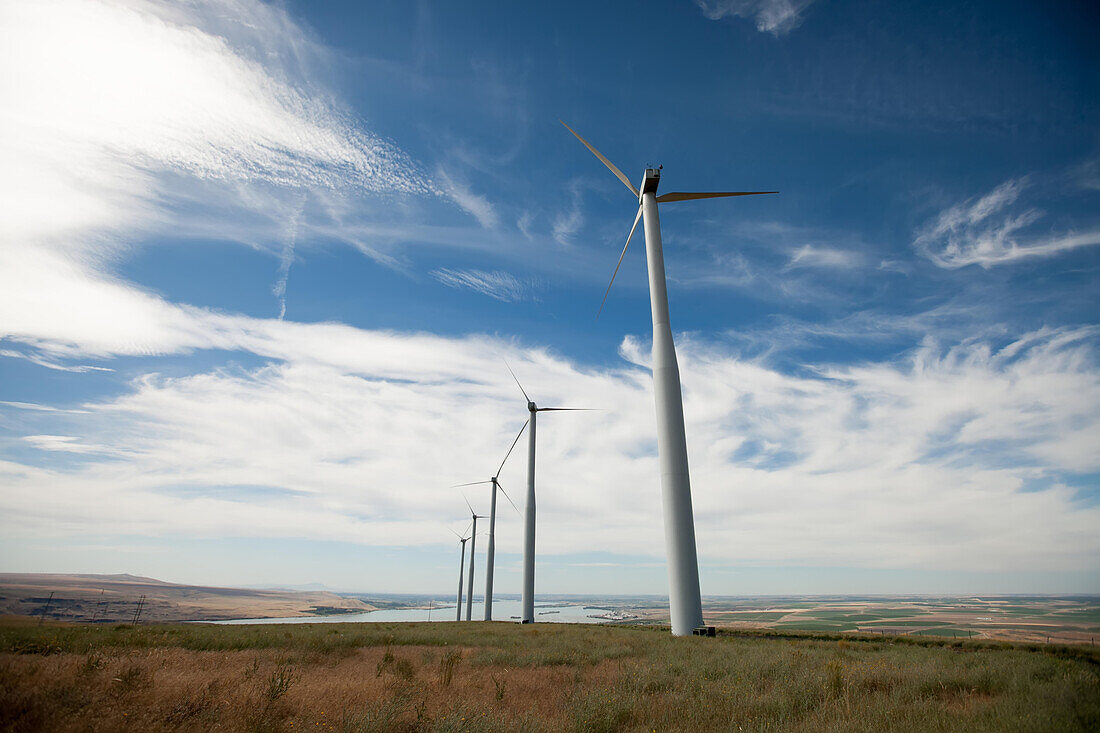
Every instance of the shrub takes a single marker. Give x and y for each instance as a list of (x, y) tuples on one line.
[(447, 667), (279, 682)]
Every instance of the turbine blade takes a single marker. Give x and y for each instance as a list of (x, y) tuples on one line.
[(521, 389), (467, 502), (472, 483), (568, 409), (518, 435), (509, 498), (456, 534), (637, 218), (611, 166), (668, 198)]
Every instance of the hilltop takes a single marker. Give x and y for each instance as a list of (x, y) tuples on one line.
[(106, 598)]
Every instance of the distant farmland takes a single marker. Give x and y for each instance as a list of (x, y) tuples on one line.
[(1070, 619), (116, 598)]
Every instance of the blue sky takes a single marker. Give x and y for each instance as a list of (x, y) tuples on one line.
[(260, 266)]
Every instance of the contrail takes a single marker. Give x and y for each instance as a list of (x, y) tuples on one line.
[(287, 256)]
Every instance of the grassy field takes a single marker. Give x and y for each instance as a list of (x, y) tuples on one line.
[(547, 677)]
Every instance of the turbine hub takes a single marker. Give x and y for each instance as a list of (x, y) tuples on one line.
[(650, 181), (532, 407)]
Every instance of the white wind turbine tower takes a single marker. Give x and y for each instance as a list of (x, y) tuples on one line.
[(491, 554), (473, 541), (461, 564), (685, 601), (527, 613)]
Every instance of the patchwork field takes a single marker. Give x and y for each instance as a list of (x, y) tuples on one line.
[(1072, 620), (507, 677)]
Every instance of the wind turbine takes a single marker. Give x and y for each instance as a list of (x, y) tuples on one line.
[(490, 560), (527, 614), (461, 565), (473, 541), (685, 601)]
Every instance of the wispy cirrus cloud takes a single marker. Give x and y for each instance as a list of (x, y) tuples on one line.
[(994, 229), (63, 444), (111, 93), (1087, 174), (477, 206), (810, 255), (37, 407), (286, 258), (496, 284), (568, 222), (129, 119), (36, 358), (771, 16), (772, 260)]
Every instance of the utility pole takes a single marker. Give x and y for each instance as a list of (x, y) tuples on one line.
[(45, 609), (99, 604)]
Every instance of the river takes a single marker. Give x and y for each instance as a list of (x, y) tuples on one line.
[(502, 611)]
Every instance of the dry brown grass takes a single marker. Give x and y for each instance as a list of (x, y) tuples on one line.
[(370, 677), (156, 689)]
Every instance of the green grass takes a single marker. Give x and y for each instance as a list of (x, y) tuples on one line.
[(867, 615), (953, 632), (539, 644), (1079, 614), (916, 623), (762, 616), (500, 676), (811, 624)]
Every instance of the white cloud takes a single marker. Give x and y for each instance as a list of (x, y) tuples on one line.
[(29, 406), (39, 360), (772, 16), (772, 260), (286, 258), (826, 257), (495, 284), (477, 206), (921, 462), (165, 85), (62, 443), (125, 119), (1087, 174), (992, 230), (569, 221), (133, 118), (524, 222)]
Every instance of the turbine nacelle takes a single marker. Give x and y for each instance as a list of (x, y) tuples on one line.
[(650, 181)]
